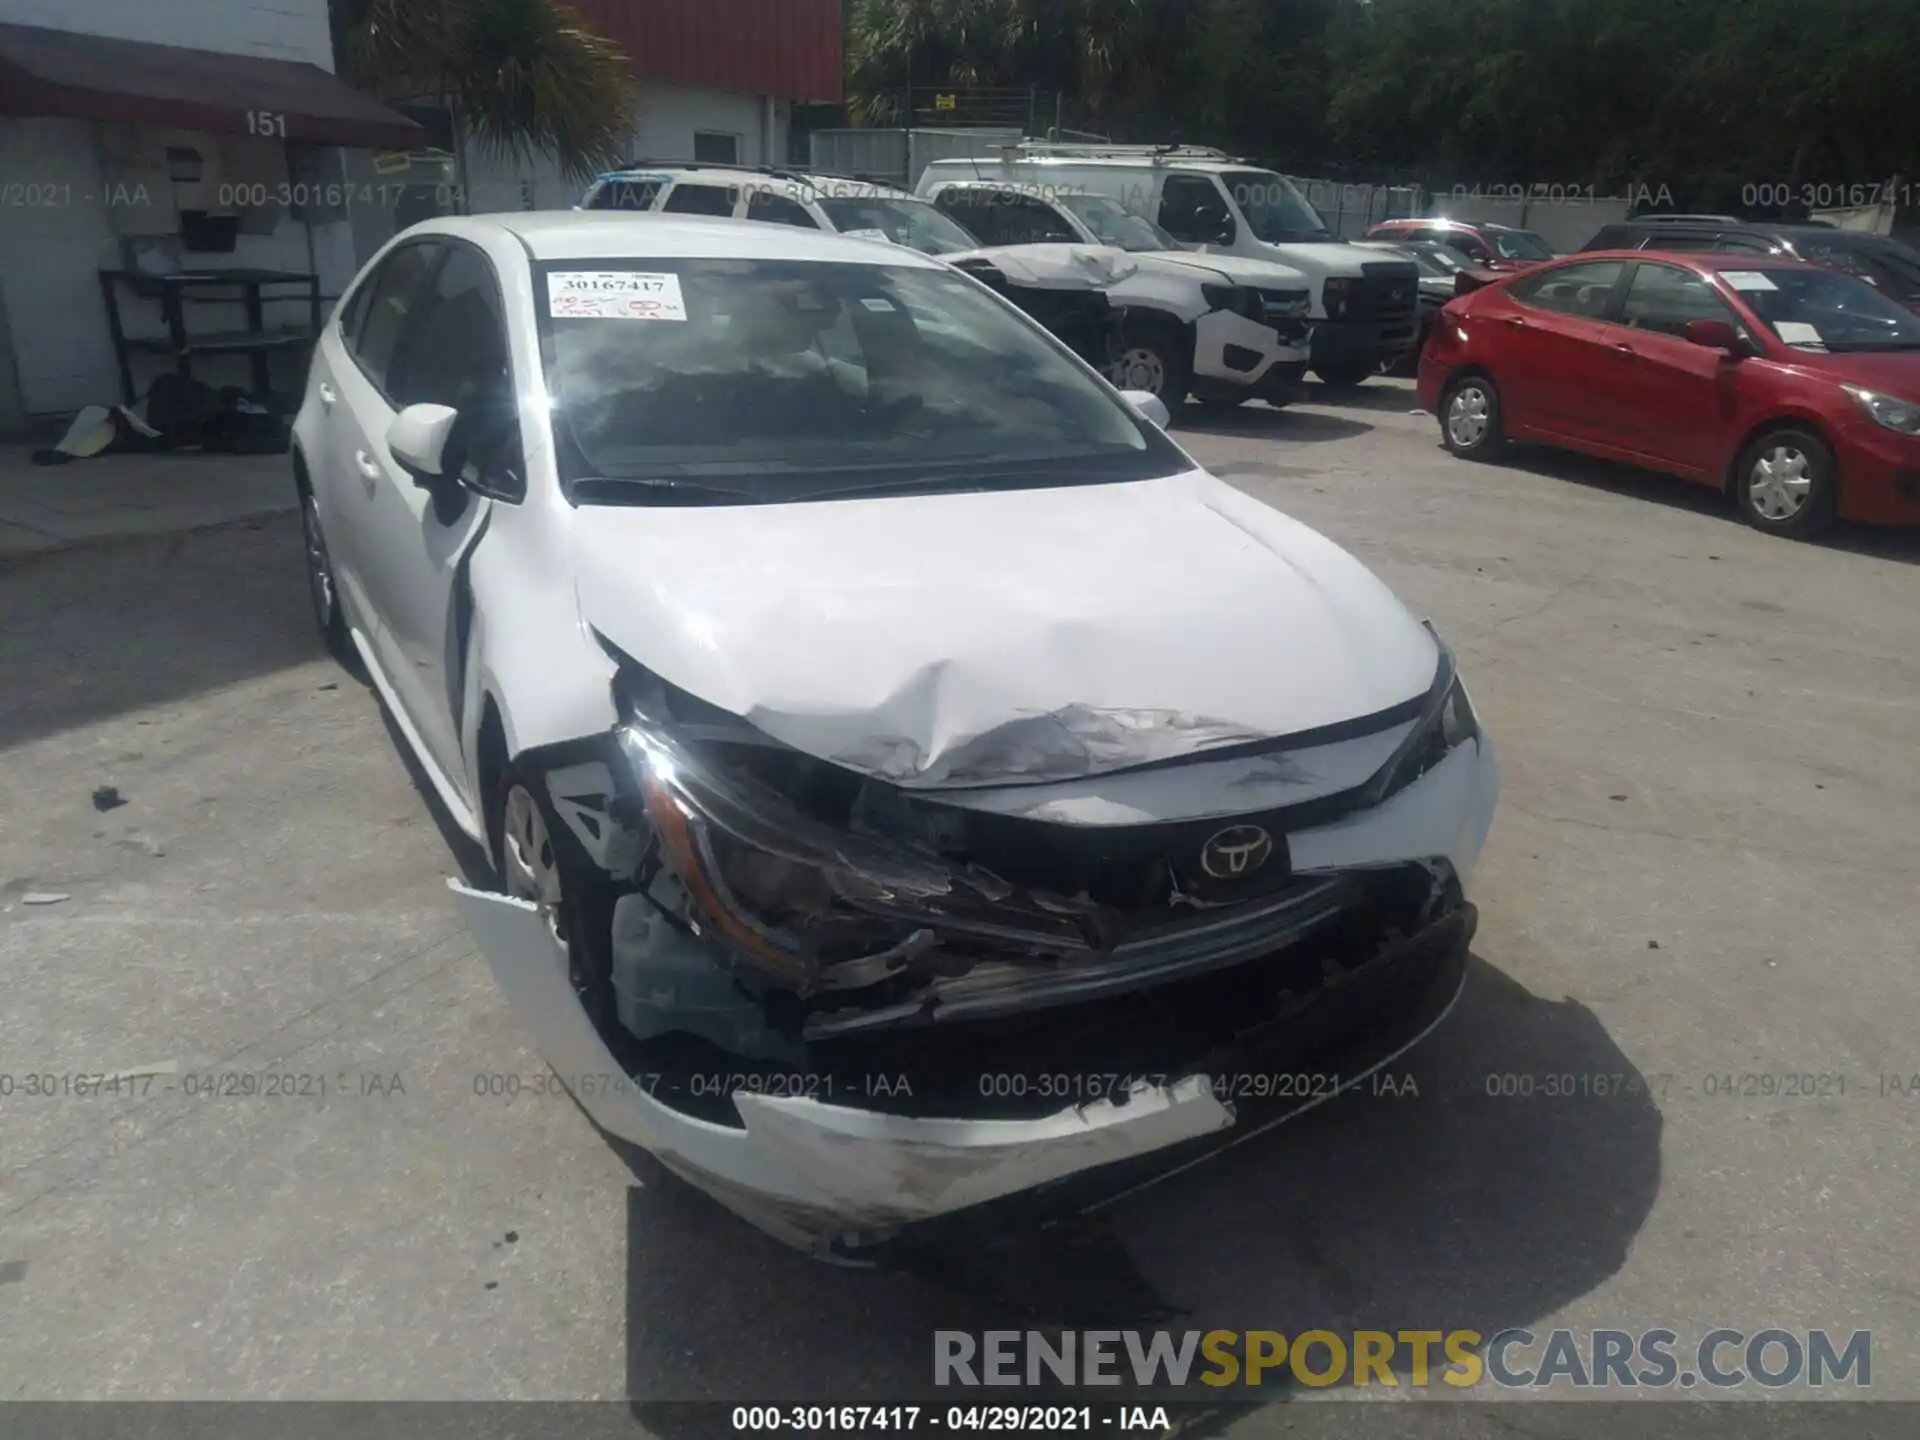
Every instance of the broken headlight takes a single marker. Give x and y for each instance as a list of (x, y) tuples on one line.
[(1446, 722), (810, 904)]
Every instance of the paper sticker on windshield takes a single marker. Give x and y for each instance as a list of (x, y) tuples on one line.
[(1797, 332), (869, 235), (614, 295), (1747, 280), (882, 307)]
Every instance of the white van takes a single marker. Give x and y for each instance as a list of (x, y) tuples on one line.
[(1216, 328), (1365, 305)]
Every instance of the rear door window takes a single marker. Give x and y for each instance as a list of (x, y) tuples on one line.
[(1583, 290), (702, 200), (625, 195), (779, 210)]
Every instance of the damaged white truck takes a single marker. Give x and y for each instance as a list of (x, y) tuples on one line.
[(913, 781)]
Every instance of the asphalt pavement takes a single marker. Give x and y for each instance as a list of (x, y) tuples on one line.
[(1702, 881)]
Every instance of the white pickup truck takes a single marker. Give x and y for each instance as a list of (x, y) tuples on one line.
[(1219, 208), (1219, 329)]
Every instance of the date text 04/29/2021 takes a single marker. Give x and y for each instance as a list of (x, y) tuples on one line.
[(928, 1419)]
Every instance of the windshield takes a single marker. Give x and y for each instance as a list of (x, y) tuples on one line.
[(1824, 310), (1519, 245), (689, 380), (913, 223), (1274, 210), (1113, 224), (1434, 258), (1889, 264)]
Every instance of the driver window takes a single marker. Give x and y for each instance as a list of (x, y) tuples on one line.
[(454, 352), (1033, 222), (1665, 297), (1192, 209)]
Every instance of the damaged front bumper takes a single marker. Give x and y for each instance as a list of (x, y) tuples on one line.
[(830, 1174), (806, 992)]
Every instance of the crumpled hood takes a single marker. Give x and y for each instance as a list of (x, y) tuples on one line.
[(1237, 269), (1055, 267), (1010, 637)]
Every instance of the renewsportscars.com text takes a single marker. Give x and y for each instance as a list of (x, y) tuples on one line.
[(1720, 1359)]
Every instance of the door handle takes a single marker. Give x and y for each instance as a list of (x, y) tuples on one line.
[(327, 395), (1518, 322), (368, 466), (1623, 350)]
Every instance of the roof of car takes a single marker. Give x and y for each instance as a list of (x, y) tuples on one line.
[(617, 234), (772, 175), (1409, 222), (1704, 259)]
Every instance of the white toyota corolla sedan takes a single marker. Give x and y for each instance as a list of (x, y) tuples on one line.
[(913, 781)]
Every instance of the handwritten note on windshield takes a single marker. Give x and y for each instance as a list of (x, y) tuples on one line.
[(614, 295)]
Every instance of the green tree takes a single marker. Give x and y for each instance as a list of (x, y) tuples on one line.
[(520, 77)]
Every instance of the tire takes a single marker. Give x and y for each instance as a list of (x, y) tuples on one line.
[(1345, 374), (1786, 483), (1475, 432), (1152, 355), (322, 590), (534, 861)]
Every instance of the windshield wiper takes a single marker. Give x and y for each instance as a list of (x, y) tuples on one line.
[(628, 489)]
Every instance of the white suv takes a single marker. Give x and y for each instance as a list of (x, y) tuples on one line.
[(1221, 329)]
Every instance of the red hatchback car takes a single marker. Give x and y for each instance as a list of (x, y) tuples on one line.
[(1491, 247), (1793, 387)]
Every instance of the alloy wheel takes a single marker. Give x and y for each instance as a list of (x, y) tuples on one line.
[(531, 869), (1780, 483), (319, 566)]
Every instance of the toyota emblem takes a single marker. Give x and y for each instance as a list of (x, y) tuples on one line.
[(1399, 292), (1235, 851)]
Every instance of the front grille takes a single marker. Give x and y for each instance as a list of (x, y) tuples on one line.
[(1387, 291), (1130, 868), (1285, 304)]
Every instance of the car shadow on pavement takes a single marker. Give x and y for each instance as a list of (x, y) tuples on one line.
[(1899, 544), (1459, 1196), (1262, 422), (1386, 393)]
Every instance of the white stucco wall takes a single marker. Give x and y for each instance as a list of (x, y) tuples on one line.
[(664, 126), (274, 29), (51, 252)]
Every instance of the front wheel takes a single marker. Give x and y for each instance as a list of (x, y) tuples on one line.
[(540, 866), (1151, 358), (1785, 483), (1344, 374), (322, 589), (1470, 418)]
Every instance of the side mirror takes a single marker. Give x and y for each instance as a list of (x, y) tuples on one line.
[(417, 440), (1715, 335), (1148, 406)]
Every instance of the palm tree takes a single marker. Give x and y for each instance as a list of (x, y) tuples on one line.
[(519, 77)]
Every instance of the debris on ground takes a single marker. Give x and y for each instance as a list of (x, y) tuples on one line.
[(44, 897), (108, 797)]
